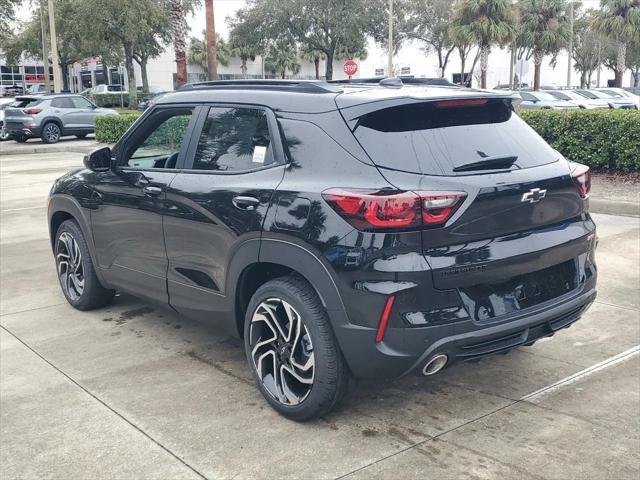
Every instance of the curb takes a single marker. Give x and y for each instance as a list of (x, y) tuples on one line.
[(49, 149), (614, 207)]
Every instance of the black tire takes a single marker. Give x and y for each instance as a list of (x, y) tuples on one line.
[(51, 132), (81, 135), (19, 138), (329, 373), (92, 295)]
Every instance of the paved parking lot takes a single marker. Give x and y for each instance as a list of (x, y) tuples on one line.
[(134, 391)]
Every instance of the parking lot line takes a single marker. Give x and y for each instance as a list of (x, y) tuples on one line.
[(23, 208), (609, 362)]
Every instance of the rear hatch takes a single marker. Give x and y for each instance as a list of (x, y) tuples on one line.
[(17, 114), (522, 214)]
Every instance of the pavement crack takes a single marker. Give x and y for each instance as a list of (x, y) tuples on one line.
[(104, 404)]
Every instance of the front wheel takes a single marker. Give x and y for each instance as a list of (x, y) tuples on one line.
[(292, 351), (76, 272)]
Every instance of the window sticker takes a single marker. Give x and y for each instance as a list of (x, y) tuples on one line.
[(259, 154)]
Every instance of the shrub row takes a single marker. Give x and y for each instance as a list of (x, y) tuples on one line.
[(110, 128), (602, 139), (109, 100)]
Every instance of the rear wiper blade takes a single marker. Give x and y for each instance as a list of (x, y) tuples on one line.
[(499, 162)]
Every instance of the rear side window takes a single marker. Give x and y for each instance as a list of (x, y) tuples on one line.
[(234, 139), (433, 138), (63, 102)]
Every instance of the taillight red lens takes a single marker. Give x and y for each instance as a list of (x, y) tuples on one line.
[(581, 175), (32, 111), (370, 210)]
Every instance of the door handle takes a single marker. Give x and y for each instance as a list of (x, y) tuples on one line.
[(152, 190), (245, 203)]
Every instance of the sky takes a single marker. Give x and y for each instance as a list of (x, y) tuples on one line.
[(411, 55)]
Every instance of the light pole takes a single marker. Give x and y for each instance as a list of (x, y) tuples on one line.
[(57, 85), (570, 49), (45, 50), (390, 58)]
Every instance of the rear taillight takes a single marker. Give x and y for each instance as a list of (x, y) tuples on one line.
[(464, 102), (32, 111), (581, 175), (370, 210)]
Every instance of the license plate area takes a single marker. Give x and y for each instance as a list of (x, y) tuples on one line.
[(488, 302)]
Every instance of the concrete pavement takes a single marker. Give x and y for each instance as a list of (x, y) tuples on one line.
[(135, 391)]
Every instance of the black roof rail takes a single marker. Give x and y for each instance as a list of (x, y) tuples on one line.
[(305, 86), (406, 80)]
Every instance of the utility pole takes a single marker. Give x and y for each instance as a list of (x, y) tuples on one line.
[(390, 59), (212, 48), (57, 85), (512, 63), (45, 50), (570, 49)]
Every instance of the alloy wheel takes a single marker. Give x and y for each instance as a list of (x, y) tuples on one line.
[(52, 132), (282, 351), (70, 270)]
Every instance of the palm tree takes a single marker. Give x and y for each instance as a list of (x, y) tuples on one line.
[(485, 23), (313, 56), (282, 56), (620, 21), (543, 30), (210, 34), (197, 52), (179, 29)]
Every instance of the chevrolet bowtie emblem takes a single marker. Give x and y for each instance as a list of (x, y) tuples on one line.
[(534, 195)]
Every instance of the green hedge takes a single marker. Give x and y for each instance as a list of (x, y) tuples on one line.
[(602, 139), (110, 128), (109, 100)]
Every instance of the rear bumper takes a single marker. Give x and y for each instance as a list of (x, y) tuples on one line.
[(461, 342), (13, 129)]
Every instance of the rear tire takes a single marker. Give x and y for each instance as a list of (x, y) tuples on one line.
[(76, 273), (287, 331), (81, 136), (51, 133)]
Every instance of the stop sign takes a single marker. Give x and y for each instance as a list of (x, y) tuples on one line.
[(350, 67)]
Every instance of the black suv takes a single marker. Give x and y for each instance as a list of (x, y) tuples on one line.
[(367, 230)]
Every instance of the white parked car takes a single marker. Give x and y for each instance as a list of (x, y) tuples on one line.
[(617, 101), (621, 93), (582, 102)]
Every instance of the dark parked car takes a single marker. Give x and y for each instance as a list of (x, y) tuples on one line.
[(339, 229)]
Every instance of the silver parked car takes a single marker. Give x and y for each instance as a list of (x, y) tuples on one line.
[(51, 117), (537, 99), (613, 101), (3, 133), (582, 102), (621, 93)]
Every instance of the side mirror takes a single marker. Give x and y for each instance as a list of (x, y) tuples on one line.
[(98, 160)]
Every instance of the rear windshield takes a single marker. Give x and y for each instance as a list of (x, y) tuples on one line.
[(433, 139), (25, 102)]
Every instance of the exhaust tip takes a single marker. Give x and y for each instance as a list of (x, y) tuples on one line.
[(436, 364)]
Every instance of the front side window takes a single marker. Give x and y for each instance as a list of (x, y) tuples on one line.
[(234, 139), (62, 102), (81, 102), (157, 142)]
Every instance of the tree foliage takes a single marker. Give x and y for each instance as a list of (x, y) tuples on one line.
[(618, 20), (327, 26), (282, 57), (586, 50), (543, 30), (197, 51), (485, 23)]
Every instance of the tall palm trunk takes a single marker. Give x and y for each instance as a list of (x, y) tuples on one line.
[(484, 64), (537, 63), (179, 33), (212, 54), (620, 63)]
